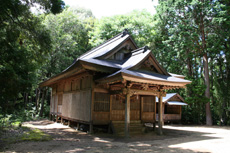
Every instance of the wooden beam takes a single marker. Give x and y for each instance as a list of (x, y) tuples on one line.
[(127, 112), (102, 90), (61, 76), (144, 92)]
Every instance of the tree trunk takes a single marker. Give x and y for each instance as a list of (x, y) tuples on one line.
[(38, 91), (207, 91), (190, 73), (26, 100), (43, 100), (206, 69)]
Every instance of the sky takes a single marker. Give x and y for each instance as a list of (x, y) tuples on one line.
[(102, 8)]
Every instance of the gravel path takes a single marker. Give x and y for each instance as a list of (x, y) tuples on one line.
[(176, 138)]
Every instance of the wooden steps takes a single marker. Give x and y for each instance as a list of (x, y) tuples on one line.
[(135, 128)]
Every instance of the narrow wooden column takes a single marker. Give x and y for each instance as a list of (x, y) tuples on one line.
[(92, 110), (142, 101), (154, 114), (78, 126), (127, 112), (110, 107), (160, 115)]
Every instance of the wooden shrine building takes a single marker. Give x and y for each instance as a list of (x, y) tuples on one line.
[(171, 107), (115, 83)]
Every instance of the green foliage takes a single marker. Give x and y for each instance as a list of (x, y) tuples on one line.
[(69, 35), (35, 135), (139, 23), (24, 42), (186, 31)]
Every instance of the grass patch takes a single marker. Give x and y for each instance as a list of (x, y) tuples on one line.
[(35, 135)]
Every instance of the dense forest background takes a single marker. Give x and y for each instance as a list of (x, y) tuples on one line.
[(189, 37)]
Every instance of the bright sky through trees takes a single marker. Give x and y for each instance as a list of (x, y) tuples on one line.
[(102, 8)]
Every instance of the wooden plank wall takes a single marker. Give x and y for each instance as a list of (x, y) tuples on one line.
[(101, 102), (172, 109), (101, 108), (72, 98)]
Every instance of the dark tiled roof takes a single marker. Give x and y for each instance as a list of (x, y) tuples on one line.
[(136, 57), (103, 63), (105, 47), (125, 66)]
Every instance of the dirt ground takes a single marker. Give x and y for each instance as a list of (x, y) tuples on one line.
[(176, 138)]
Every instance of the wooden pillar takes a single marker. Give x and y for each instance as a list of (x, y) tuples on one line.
[(78, 126), (61, 120), (160, 115), (154, 114), (110, 106), (92, 109), (69, 123), (142, 105), (91, 127), (127, 112)]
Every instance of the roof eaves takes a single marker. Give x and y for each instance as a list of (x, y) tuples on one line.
[(108, 53), (122, 34)]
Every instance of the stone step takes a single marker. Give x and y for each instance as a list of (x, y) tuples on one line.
[(135, 128)]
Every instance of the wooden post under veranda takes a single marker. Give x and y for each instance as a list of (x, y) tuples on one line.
[(127, 113), (160, 115)]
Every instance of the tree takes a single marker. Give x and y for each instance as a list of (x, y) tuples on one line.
[(189, 31), (140, 24), (24, 42)]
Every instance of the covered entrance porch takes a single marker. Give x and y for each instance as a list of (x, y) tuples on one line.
[(127, 106)]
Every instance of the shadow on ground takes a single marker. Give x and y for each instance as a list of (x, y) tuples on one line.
[(69, 140)]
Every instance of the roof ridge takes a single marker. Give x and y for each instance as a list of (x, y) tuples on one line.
[(138, 51), (123, 33)]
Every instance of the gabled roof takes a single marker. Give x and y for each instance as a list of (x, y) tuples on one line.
[(107, 46), (128, 69), (169, 96), (169, 101), (139, 56)]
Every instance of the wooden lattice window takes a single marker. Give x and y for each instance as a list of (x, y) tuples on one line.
[(148, 104), (101, 102)]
